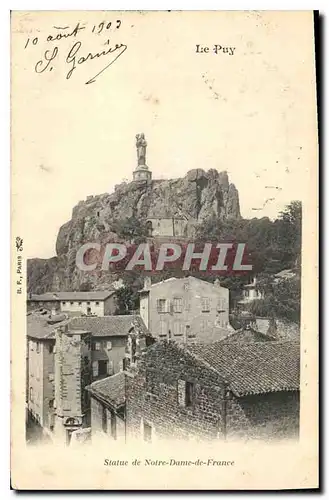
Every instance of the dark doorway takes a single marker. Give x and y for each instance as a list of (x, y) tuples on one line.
[(102, 368)]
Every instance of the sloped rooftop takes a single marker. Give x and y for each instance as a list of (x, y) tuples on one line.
[(107, 326), (252, 368)]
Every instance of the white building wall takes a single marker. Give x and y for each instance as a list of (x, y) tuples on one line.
[(96, 306), (35, 400), (144, 308)]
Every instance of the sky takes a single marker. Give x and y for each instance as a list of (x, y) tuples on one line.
[(251, 113)]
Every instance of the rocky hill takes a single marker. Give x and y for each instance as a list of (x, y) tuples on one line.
[(197, 196)]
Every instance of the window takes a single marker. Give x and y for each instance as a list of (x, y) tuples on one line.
[(97, 303), (51, 377), (185, 392), (178, 328), (178, 304), (162, 305), (80, 303), (38, 347), (163, 328), (64, 303), (108, 345), (102, 367), (51, 348), (97, 346), (147, 432), (31, 394), (205, 304), (221, 306), (88, 303), (189, 390)]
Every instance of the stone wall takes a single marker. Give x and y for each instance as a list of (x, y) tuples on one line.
[(154, 397), (204, 309), (113, 356), (264, 416), (72, 374), (99, 412), (46, 304), (48, 383)]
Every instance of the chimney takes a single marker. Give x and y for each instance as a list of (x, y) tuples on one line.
[(147, 282)]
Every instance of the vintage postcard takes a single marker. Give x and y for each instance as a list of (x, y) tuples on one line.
[(164, 250)]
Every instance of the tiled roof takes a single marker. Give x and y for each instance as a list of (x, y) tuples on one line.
[(57, 296), (111, 389), (252, 368), (107, 326), (174, 279), (248, 335), (38, 326), (216, 333)]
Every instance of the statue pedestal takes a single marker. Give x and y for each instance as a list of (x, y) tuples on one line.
[(142, 173)]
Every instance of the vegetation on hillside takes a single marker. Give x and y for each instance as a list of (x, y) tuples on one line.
[(272, 247)]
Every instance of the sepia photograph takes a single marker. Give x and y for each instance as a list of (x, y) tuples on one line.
[(164, 250)]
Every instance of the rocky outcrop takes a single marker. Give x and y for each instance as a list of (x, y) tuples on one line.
[(197, 196)]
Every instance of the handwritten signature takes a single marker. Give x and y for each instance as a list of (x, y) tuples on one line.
[(75, 56)]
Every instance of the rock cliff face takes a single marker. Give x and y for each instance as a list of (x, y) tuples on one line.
[(197, 196)]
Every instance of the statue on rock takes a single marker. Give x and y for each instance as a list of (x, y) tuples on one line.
[(141, 149)]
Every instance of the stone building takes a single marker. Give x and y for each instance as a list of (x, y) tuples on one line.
[(250, 293), (186, 309), (214, 391), (97, 303), (72, 375), (40, 371), (64, 355), (109, 341), (175, 226), (108, 407), (108, 395)]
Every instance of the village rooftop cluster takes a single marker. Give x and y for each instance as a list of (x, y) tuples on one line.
[(176, 367)]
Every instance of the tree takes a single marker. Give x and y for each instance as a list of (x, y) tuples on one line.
[(130, 229), (281, 301), (86, 286)]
